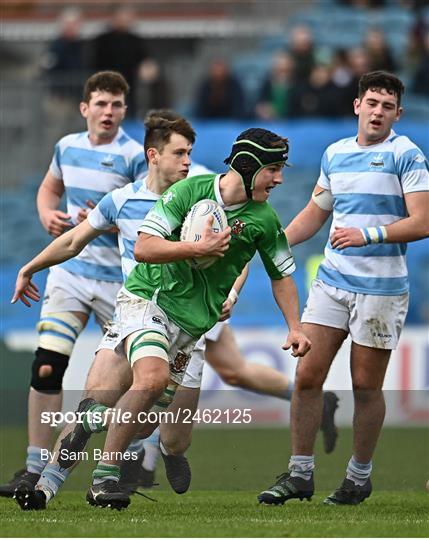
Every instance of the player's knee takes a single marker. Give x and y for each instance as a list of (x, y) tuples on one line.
[(152, 384), (58, 332), (308, 379), (48, 371), (364, 388), (176, 442)]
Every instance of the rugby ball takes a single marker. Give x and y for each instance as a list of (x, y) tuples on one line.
[(195, 223)]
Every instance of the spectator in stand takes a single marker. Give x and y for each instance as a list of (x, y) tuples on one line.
[(358, 62), (277, 94), (364, 3), (301, 48), (64, 64), (152, 90), (220, 94), (341, 73), (420, 80), (319, 96), (119, 49), (416, 42), (378, 51)]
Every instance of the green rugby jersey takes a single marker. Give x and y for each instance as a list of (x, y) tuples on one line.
[(193, 298)]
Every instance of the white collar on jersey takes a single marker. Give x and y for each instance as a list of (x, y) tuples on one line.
[(144, 187), (115, 139), (387, 139), (219, 197)]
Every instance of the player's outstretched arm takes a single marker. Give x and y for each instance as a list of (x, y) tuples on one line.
[(311, 218), (409, 229), (61, 249), (286, 296), (48, 200), (157, 250)]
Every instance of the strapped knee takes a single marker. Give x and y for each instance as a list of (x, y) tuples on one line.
[(58, 332), (48, 371), (146, 343)]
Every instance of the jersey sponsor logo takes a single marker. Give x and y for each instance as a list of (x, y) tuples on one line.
[(180, 362), (157, 320), (237, 227), (168, 197), (377, 161)]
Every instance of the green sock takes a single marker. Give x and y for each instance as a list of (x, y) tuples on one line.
[(93, 421), (104, 471)]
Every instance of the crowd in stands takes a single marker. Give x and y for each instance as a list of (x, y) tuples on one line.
[(300, 79), (69, 59), (307, 81)]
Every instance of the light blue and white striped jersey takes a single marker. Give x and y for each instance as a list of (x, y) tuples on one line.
[(368, 186), (88, 173), (126, 209)]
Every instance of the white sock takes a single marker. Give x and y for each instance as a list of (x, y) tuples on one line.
[(163, 450), (151, 456), (357, 472), (301, 466)]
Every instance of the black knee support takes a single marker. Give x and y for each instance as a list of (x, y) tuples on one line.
[(50, 379)]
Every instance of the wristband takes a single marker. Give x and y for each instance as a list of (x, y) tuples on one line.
[(374, 235), (233, 296)]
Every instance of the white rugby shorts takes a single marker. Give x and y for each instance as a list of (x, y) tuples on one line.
[(216, 330), (134, 313), (67, 292), (372, 321)]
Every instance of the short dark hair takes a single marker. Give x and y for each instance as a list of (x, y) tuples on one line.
[(381, 80), (160, 124), (105, 81)]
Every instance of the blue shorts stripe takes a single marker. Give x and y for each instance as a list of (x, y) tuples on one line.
[(62, 323), (56, 334)]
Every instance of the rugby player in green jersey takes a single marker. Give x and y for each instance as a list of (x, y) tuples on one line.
[(167, 305)]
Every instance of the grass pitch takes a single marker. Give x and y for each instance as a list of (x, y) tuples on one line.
[(230, 467), (219, 514)]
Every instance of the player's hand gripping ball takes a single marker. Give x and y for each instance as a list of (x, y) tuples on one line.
[(194, 225)]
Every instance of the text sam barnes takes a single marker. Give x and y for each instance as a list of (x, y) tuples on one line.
[(97, 454)]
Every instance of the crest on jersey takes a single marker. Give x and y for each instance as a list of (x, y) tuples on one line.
[(237, 227), (377, 161), (180, 362), (108, 161)]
